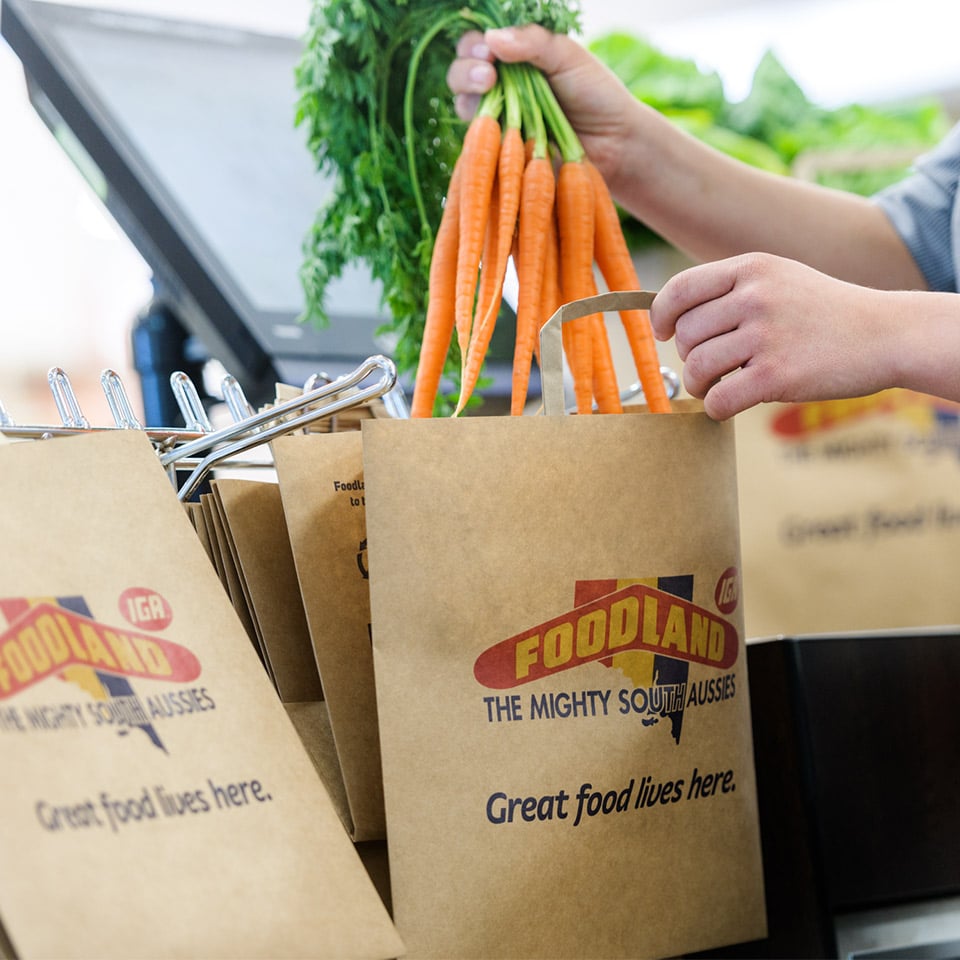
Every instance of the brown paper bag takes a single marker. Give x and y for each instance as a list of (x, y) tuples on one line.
[(257, 532), (321, 486), (850, 514), (157, 801), (228, 569), (256, 529), (561, 682)]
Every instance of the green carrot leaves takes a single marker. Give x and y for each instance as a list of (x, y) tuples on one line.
[(372, 78)]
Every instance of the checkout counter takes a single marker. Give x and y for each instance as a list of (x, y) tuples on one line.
[(857, 737), (857, 745)]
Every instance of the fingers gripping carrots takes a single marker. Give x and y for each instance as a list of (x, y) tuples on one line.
[(504, 197)]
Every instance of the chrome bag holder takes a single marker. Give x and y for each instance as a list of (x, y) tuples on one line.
[(199, 448)]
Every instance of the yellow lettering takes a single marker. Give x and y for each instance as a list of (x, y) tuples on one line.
[(53, 638), (650, 636), (699, 629), (154, 659), (33, 649), (16, 661), (97, 652), (812, 415), (123, 650), (72, 640), (624, 622), (591, 628), (526, 655), (861, 404), (558, 645), (717, 640), (675, 629)]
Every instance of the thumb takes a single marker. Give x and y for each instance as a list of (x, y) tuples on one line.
[(530, 43)]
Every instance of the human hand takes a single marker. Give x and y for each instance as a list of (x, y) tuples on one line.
[(758, 328), (597, 104)]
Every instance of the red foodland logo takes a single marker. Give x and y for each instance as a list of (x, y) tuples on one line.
[(46, 639), (804, 419), (634, 618)]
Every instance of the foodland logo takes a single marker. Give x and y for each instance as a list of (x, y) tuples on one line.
[(49, 639), (43, 638), (637, 617), (800, 420)]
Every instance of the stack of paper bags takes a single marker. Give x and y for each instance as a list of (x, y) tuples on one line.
[(158, 800)]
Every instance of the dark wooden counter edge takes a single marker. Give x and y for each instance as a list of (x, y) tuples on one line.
[(798, 921)]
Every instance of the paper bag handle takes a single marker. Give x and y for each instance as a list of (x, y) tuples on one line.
[(551, 337)]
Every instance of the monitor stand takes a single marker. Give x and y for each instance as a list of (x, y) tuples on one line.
[(162, 346)]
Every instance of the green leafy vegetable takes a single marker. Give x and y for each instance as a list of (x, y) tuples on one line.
[(774, 104), (775, 127), (373, 98), (665, 82)]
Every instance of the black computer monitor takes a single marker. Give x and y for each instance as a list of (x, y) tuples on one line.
[(186, 132)]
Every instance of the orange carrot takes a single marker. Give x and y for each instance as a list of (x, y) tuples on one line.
[(439, 322), (615, 263), (487, 291), (536, 216), (604, 375), (509, 179), (480, 152), (575, 219), (552, 295)]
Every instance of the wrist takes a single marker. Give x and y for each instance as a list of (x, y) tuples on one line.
[(634, 158), (920, 342)]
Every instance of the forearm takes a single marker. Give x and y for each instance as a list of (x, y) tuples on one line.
[(924, 345), (711, 207), (698, 199)]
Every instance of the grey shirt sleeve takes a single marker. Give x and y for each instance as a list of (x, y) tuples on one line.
[(923, 210)]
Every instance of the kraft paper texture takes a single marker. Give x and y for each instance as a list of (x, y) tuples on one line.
[(561, 684), (157, 800), (231, 576), (259, 540), (322, 490), (850, 514)]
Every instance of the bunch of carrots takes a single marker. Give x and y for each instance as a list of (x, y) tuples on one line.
[(522, 187)]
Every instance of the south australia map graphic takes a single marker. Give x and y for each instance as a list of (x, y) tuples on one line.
[(647, 629), (57, 637), (644, 669)]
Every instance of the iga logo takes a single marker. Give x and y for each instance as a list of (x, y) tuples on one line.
[(58, 638), (145, 608), (727, 594)]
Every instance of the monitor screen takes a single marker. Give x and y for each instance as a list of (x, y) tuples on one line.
[(186, 131)]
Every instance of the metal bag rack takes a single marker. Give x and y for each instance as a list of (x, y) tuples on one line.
[(197, 447)]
